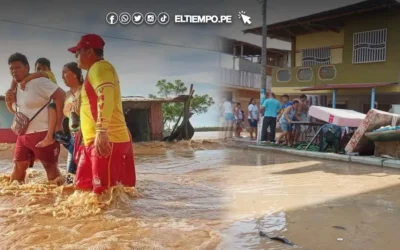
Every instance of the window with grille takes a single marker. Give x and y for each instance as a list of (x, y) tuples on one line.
[(304, 74), (327, 72), (283, 75), (369, 46), (316, 56)]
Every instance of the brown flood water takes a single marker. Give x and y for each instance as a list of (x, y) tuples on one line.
[(201, 196)]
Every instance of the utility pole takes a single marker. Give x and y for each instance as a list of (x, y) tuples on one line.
[(264, 47), (264, 85)]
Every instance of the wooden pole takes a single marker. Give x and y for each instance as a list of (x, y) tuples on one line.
[(187, 108)]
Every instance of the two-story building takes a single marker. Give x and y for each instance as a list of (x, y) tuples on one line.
[(242, 81), (348, 56)]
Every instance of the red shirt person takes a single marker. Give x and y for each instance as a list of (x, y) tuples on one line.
[(106, 157)]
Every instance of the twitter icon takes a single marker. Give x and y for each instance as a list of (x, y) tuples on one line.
[(137, 18)]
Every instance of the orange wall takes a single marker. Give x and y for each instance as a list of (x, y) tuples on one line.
[(156, 122)]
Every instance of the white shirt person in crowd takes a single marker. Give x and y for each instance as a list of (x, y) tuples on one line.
[(253, 118)]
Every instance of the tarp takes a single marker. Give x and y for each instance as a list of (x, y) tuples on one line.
[(339, 117)]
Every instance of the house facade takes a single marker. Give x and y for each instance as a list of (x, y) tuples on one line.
[(348, 57), (242, 81)]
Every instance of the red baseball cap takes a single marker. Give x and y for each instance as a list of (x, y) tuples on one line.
[(89, 41)]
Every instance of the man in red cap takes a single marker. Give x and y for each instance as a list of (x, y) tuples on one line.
[(106, 157)]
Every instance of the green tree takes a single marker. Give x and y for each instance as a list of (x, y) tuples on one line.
[(172, 111)]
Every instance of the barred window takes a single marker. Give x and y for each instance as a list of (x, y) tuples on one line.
[(369, 46), (316, 56)]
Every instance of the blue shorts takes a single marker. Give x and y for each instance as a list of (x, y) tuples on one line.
[(229, 117), (286, 127), (253, 124)]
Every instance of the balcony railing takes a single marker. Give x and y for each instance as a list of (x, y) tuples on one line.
[(243, 79)]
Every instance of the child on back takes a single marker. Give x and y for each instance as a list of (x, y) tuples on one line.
[(43, 69)]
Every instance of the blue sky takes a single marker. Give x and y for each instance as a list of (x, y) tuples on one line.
[(139, 65)]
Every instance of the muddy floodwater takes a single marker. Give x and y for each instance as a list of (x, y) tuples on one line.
[(203, 196)]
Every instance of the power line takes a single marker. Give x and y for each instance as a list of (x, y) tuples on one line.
[(112, 37)]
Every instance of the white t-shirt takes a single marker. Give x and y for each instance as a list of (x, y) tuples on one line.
[(36, 95), (228, 107), (253, 109)]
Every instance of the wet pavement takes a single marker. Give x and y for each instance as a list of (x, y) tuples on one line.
[(202, 196)]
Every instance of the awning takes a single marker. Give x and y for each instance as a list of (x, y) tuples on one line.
[(348, 86)]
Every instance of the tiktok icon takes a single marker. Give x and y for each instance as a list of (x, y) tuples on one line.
[(112, 18), (163, 18)]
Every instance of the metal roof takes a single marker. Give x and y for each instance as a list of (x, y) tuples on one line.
[(180, 98), (348, 86), (331, 20)]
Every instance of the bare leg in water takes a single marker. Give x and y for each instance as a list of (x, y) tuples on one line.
[(19, 171), (52, 172), (251, 133)]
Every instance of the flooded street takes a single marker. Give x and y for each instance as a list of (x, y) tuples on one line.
[(202, 196)]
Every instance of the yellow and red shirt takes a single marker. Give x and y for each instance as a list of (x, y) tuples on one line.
[(101, 104)]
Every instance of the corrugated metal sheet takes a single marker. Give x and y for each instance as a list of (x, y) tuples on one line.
[(179, 98), (156, 121)]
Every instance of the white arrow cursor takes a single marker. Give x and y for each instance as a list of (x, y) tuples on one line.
[(245, 18)]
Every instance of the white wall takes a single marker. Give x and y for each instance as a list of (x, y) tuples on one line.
[(248, 66)]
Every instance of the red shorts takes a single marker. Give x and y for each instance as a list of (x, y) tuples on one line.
[(26, 150), (100, 173)]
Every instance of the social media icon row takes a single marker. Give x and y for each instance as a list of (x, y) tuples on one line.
[(137, 18)]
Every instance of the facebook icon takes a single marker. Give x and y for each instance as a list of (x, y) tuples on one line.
[(112, 18)]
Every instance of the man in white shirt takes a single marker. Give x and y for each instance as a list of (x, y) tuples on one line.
[(38, 93)]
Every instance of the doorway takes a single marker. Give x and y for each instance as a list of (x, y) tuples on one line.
[(137, 121)]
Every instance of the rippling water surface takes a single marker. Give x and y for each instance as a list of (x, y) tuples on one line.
[(201, 196)]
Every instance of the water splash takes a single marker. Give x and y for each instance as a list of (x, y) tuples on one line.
[(46, 198)]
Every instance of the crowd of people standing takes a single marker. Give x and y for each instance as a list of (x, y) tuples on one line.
[(272, 114)]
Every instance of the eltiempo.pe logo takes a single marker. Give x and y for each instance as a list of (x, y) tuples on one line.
[(151, 18)]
